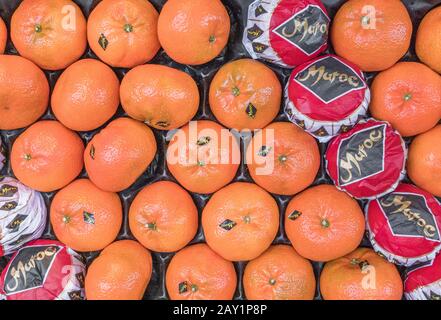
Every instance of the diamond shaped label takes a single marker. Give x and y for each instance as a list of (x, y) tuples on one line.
[(307, 29), (409, 215), (329, 79), (361, 155)]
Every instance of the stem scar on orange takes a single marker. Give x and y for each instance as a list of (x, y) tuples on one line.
[(240, 221), (361, 275), (193, 31), (84, 217), (198, 273), (47, 156), (119, 154), (279, 273), (123, 33), (245, 94), (51, 33), (162, 97), (163, 217), (324, 223), (291, 153), (408, 96)]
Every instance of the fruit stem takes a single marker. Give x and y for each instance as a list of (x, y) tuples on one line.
[(66, 219), (27, 157), (212, 39), (151, 226), (272, 281), (128, 28), (325, 223), (365, 20), (247, 219), (194, 288), (283, 158), (235, 91), (407, 96), (38, 28)]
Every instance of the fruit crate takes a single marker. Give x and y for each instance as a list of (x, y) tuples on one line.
[(158, 170)]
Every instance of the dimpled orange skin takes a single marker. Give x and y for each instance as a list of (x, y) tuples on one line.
[(408, 96), (119, 154), (163, 217), (81, 100), (279, 273), (428, 40), (162, 97), (193, 31), (85, 233), (121, 272), (373, 34), (24, 92), (51, 33), (47, 156), (256, 216), (343, 278), (3, 36), (203, 168), (130, 30), (207, 275), (292, 161), (238, 85), (330, 225), (424, 161)]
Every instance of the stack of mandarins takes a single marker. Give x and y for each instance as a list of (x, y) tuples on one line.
[(166, 157)]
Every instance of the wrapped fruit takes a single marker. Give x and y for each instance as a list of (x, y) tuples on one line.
[(326, 96), (2, 154), (286, 32), (423, 281), (44, 270), (404, 225), (367, 161), (22, 215)]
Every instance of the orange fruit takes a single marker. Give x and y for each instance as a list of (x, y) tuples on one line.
[(198, 273), (123, 33), (24, 92), (374, 34), (162, 97), (121, 272), (51, 33), (3, 36), (240, 221), (163, 217), (428, 40), (245, 94), (424, 161), (279, 273), (119, 154), (193, 31), (84, 217), (324, 223), (203, 156), (283, 159), (408, 96), (81, 100), (47, 156), (361, 275)]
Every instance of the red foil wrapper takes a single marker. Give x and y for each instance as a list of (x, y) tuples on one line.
[(423, 281), (326, 96), (404, 225), (286, 32), (43, 270), (368, 161)]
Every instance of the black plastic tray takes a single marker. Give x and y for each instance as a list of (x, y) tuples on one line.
[(158, 169)]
